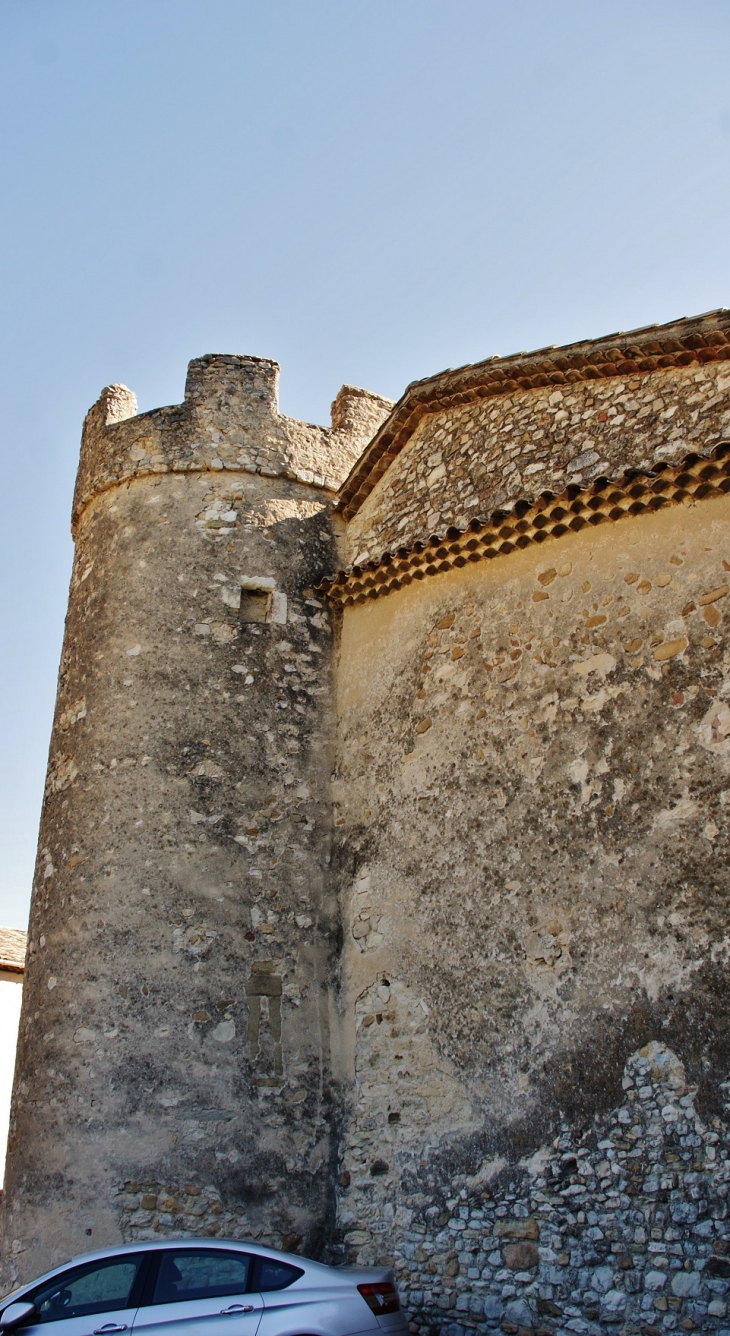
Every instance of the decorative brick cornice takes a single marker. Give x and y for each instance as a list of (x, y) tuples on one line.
[(635, 493), (698, 339)]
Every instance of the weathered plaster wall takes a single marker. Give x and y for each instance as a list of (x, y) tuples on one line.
[(470, 461), (173, 1058), (531, 810)]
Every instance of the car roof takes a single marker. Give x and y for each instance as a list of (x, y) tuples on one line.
[(157, 1245), (184, 1241)]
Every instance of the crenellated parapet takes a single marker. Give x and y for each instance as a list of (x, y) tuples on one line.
[(228, 421)]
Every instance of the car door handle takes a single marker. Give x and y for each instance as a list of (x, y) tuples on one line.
[(237, 1308), (109, 1328)]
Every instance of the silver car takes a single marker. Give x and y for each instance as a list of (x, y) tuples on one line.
[(204, 1287)]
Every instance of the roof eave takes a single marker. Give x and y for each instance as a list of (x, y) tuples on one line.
[(694, 339)]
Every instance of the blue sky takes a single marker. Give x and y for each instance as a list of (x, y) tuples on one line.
[(366, 191)]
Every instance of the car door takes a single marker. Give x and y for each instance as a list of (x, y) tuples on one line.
[(92, 1299), (200, 1292)]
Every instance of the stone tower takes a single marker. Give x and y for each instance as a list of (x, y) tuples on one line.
[(173, 1057)]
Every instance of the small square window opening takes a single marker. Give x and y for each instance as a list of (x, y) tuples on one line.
[(255, 605)]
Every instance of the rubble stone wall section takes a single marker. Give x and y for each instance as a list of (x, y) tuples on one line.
[(625, 1227), (468, 462)]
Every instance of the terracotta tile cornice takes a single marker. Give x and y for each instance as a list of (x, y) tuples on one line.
[(635, 493), (697, 339)]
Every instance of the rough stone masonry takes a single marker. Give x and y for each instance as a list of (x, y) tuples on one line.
[(380, 909)]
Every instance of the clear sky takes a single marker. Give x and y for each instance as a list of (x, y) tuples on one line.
[(366, 190)]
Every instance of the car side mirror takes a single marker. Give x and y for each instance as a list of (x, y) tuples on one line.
[(15, 1314)]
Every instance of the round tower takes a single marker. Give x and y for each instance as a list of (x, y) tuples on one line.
[(173, 1060)]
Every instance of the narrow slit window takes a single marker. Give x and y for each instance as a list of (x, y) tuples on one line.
[(255, 605)]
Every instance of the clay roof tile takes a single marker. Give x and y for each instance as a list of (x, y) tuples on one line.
[(12, 950)]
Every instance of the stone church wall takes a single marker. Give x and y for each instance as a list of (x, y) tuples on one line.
[(532, 782), (394, 929)]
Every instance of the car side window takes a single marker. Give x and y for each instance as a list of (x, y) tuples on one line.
[(98, 1287), (200, 1273), (272, 1275)]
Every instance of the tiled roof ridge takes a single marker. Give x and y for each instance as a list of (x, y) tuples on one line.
[(698, 339), (636, 491), (12, 950)]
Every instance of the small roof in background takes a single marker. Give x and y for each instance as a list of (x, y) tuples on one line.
[(12, 950)]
